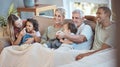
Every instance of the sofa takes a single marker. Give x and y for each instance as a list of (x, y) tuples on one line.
[(44, 22)]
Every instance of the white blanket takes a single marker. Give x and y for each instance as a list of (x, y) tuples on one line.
[(35, 55), (105, 58)]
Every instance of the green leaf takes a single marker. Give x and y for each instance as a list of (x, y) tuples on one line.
[(12, 10)]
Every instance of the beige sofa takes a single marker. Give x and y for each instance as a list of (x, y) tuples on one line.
[(44, 22)]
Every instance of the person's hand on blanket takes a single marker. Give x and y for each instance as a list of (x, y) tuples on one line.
[(80, 56)]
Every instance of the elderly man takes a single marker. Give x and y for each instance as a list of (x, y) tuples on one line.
[(104, 32), (83, 37)]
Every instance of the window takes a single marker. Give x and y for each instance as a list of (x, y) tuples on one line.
[(87, 8)]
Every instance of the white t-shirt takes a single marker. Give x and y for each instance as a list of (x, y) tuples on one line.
[(38, 34), (85, 30)]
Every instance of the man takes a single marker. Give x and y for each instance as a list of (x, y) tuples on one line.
[(83, 37), (104, 35)]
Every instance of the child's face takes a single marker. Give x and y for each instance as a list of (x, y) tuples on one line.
[(65, 28), (29, 27)]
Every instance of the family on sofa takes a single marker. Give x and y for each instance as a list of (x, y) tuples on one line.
[(81, 40)]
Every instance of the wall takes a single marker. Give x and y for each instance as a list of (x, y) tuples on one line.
[(5, 6), (6, 3), (59, 3), (66, 4)]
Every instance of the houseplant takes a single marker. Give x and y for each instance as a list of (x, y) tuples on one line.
[(3, 20), (11, 10)]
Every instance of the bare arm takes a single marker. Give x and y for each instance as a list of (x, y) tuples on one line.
[(80, 56), (18, 40), (76, 38), (19, 37)]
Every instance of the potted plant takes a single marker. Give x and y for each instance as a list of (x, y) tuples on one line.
[(3, 20)]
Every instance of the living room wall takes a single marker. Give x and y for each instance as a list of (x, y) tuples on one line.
[(6, 3)]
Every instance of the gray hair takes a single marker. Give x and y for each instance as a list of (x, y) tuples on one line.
[(61, 11), (79, 11)]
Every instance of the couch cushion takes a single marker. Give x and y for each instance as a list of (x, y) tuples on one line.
[(43, 22), (91, 18), (4, 41)]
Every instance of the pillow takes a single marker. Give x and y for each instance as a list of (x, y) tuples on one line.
[(91, 18)]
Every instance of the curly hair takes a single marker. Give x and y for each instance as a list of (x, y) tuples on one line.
[(34, 23)]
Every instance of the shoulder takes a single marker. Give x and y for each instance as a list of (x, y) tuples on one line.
[(87, 27), (112, 28), (38, 33)]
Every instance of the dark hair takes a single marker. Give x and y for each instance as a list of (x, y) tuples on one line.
[(34, 22), (71, 26), (106, 10)]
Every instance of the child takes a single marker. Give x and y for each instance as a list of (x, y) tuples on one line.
[(68, 28), (31, 31)]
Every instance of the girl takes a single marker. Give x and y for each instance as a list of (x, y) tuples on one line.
[(31, 30)]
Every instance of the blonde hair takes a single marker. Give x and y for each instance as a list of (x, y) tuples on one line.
[(10, 26), (61, 11)]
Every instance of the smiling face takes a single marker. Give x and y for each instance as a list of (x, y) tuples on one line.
[(58, 17), (77, 20), (18, 23), (101, 16), (29, 27)]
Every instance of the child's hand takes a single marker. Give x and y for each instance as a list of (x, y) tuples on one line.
[(33, 33), (58, 32), (23, 32)]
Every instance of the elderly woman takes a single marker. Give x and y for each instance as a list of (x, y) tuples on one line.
[(50, 33)]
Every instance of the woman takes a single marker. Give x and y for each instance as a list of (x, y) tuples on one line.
[(50, 33), (15, 25)]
